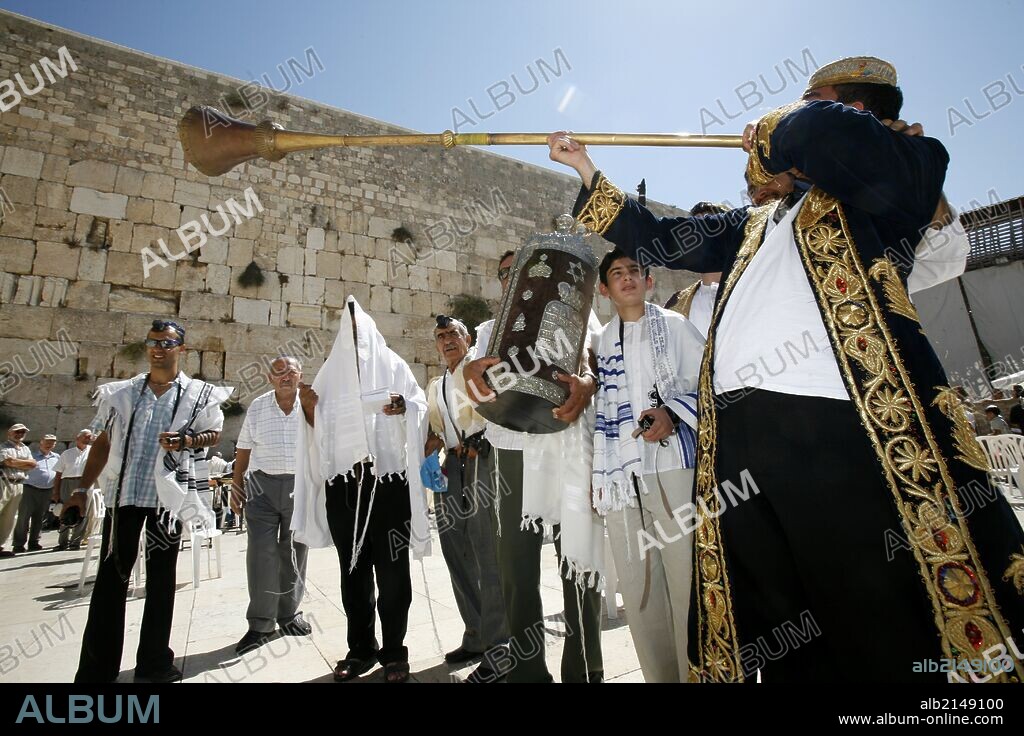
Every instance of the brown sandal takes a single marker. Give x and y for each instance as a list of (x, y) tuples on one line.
[(349, 669), (396, 672)]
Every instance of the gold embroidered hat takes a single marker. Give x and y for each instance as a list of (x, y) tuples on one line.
[(853, 70)]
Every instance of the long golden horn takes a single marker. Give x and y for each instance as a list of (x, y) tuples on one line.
[(215, 143)]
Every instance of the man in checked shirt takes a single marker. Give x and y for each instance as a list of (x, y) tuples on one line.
[(264, 477)]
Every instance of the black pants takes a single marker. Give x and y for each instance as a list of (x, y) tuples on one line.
[(103, 640), (816, 595), (385, 552)]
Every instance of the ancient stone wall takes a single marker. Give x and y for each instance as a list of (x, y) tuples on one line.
[(91, 174)]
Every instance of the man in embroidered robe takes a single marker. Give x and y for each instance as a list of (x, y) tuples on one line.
[(544, 480), (856, 441), (363, 436), (151, 450), (463, 510), (648, 359)]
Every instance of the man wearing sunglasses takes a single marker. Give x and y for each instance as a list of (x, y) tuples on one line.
[(154, 429), (17, 461)]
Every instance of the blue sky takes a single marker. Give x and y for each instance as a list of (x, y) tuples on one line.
[(607, 66)]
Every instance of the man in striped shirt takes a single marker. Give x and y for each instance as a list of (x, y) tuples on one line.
[(264, 478)]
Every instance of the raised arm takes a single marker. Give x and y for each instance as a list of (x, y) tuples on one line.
[(852, 156), (701, 244)]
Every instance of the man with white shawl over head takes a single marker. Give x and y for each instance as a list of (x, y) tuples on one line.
[(357, 484)]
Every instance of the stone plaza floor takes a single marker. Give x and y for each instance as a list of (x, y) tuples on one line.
[(42, 618)]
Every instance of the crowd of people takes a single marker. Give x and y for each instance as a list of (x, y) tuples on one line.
[(739, 502)]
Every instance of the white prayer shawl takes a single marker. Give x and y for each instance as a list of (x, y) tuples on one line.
[(556, 487), (677, 347), (181, 476), (345, 434)]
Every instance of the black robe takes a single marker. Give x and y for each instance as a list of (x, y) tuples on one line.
[(875, 193)]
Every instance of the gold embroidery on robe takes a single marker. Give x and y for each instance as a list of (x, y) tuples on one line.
[(718, 644), (602, 207), (965, 611), (1015, 572), (895, 294), (967, 447)]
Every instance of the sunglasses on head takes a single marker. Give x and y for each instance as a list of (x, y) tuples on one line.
[(504, 272), (154, 343)]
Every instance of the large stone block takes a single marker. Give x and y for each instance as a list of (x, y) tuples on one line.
[(189, 276), (98, 175), (328, 265), (192, 193), (380, 227), (304, 315), (315, 238), (52, 195), (252, 311), (213, 307), (21, 162), (96, 359), (16, 255), (32, 358), (100, 204), (167, 214), (18, 190), (24, 321), (129, 181), (159, 187), (147, 301), (56, 259), (87, 295)]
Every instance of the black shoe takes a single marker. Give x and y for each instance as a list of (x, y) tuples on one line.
[(60, 548), (460, 655), (251, 641), (483, 674), (6, 553), (171, 674), (298, 626), (35, 547), (19, 550), (74, 547)]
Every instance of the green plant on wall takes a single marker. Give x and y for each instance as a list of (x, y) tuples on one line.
[(252, 276), (471, 310)]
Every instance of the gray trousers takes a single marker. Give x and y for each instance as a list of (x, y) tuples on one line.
[(34, 502), (276, 584), (468, 546), (77, 533)]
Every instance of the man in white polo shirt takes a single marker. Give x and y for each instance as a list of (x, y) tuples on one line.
[(264, 478), (68, 476)]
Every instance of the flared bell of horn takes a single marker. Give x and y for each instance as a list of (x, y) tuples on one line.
[(215, 143)]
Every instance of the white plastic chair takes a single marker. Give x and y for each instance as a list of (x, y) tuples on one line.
[(198, 536), (1005, 455), (95, 539)]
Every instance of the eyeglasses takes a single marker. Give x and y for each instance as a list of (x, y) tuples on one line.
[(154, 343), (504, 272)]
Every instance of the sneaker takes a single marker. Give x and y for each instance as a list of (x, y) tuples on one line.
[(251, 641), (171, 674), (298, 626), (19, 550), (35, 547)]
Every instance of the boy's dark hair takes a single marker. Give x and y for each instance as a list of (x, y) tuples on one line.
[(610, 257), (882, 100), (505, 255), (159, 325), (710, 208)]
